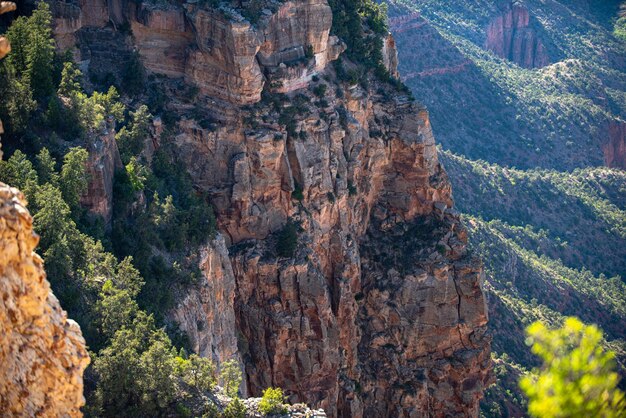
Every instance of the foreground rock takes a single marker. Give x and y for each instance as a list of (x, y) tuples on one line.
[(42, 352)]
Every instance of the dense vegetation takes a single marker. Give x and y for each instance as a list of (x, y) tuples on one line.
[(107, 283), (553, 117), (552, 243)]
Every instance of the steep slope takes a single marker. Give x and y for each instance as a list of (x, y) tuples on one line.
[(42, 352), (561, 116), (339, 271), (538, 86)]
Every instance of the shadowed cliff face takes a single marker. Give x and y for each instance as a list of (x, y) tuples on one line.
[(42, 352), (379, 311), (615, 148), (510, 36)]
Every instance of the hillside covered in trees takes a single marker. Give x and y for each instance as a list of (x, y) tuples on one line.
[(527, 98)]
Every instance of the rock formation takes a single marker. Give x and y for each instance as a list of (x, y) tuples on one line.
[(615, 148), (357, 327), (206, 314), (379, 311), (215, 49), (390, 56), (5, 47), (42, 352), (510, 35), (104, 161)]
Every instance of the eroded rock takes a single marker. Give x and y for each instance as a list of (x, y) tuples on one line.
[(510, 35), (42, 352)]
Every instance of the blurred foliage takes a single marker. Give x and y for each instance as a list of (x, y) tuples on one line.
[(577, 378)]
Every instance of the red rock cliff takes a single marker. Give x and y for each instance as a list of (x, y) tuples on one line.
[(511, 36), (380, 311), (42, 352)]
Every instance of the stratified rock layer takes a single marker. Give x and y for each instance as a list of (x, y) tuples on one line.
[(42, 352), (206, 314), (219, 51), (511, 36), (374, 315)]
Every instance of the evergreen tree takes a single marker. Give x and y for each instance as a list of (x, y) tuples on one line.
[(46, 168), (74, 178), (230, 376), (39, 65)]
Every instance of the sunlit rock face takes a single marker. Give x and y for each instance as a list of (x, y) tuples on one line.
[(379, 311), (42, 352), (104, 161)]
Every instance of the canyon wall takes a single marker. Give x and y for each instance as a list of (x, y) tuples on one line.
[(42, 352), (510, 35), (615, 146), (377, 310)]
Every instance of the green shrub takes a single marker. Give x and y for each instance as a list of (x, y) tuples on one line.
[(578, 377), (235, 409), (287, 240), (272, 402), (297, 192)]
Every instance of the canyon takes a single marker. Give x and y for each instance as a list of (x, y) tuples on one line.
[(379, 310)]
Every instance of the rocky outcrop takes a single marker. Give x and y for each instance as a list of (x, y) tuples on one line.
[(224, 64), (206, 313), (319, 324), (423, 320), (510, 35), (219, 51), (615, 147), (5, 47), (42, 352), (390, 56), (104, 161)]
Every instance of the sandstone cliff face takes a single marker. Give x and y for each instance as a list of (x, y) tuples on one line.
[(355, 323), (217, 50), (510, 36), (42, 352), (390, 56), (615, 147), (380, 311), (206, 314)]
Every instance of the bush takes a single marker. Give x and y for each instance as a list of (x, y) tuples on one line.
[(235, 409), (297, 192), (272, 402), (578, 377), (287, 240)]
